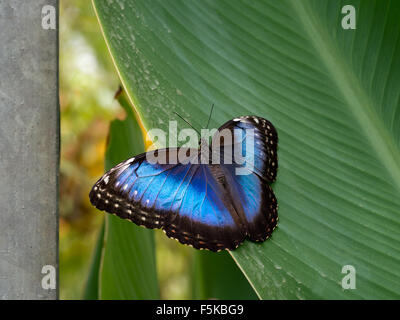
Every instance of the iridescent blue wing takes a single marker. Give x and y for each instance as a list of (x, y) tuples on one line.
[(252, 196), (265, 142), (184, 200)]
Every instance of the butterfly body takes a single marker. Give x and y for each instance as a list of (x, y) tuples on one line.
[(200, 203)]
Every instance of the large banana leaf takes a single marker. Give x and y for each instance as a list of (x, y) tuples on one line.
[(333, 95)]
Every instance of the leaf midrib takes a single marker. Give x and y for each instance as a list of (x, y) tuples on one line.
[(348, 84)]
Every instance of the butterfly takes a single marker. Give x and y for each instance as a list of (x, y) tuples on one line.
[(200, 203)]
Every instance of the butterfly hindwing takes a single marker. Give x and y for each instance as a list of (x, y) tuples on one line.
[(201, 215), (184, 200), (255, 200)]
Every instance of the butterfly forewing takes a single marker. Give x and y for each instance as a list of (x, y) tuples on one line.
[(264, 139), (184, 200)]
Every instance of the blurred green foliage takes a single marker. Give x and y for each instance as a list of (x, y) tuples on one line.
[(88, 82), (87, 85)]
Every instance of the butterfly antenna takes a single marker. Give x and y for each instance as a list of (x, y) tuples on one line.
[(209, 117), (186, 122)]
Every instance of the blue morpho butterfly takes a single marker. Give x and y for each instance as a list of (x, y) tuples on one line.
[(205, 205)]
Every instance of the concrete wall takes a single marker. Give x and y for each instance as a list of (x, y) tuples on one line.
[(29, 148)]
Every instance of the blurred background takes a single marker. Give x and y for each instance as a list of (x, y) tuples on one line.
[(88, 82)]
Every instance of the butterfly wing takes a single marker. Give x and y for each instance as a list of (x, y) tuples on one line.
[(253, 198), (184, 200), (264, 139)]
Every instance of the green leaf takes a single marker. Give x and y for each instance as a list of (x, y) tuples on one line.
[(128, 266), (217, 277), (332, 95), (92, 284)]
